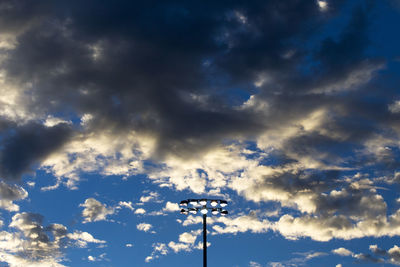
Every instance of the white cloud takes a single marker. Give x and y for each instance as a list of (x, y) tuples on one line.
[(186, 243), (150, 197), (125, 204), (342, 252), (234, 225), (128, 245), (189, 238), (145, 227), (83, 238), (103, 152), (301, 259), (86, 118), (158, 249), (94, 210), (99, 258), (171, 207), (254, 264), (177, 247), (213, 170), (53, 121), (140, 211)]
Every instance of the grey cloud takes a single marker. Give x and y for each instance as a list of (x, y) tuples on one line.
[(378, 256), (149, 57), (37, 245), (10, 193), (94, 210), (24, 146), (31, 243)]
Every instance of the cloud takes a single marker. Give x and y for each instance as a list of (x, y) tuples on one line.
[(150, 197), (186, 243), (378, 256), (171, 207), (395, 107), (177, 247), (30, 144), (105, 152), (189, 238), (323, 5), (158, 249), (33, 244), (140, 211), (254, 264), (173, 116), (300, 260), (145, 227), (10, 193), (239, 224), (95, 211), (342, 252), (125, 204), (99, 258), (81, 239)]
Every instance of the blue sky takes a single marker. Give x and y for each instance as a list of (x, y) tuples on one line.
[(112, 112)]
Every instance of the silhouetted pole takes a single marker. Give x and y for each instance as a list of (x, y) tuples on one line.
[(204, 240), (193, 206)]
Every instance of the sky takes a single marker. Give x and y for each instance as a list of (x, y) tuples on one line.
[(112, 112)]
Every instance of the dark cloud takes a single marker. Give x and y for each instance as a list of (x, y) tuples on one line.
[(178, 70), (24, 146), (10, 193), (39, 246)]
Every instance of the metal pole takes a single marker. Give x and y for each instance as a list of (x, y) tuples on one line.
[(204, 240)]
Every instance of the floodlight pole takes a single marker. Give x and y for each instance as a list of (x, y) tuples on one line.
[(192, 206), (204, 240)]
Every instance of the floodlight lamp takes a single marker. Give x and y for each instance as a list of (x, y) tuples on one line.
[(223, 203), (204, 210), (184, 203), (224, 212), (184, 211), (193, 210), (193, 202), (203, 202), (214, 203), (214, 211)]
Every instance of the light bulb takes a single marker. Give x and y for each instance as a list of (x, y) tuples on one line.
[(223, 203), (204, 210), (193, 210), (184, 211), (203, 202), (193, 202), (224, 212)]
